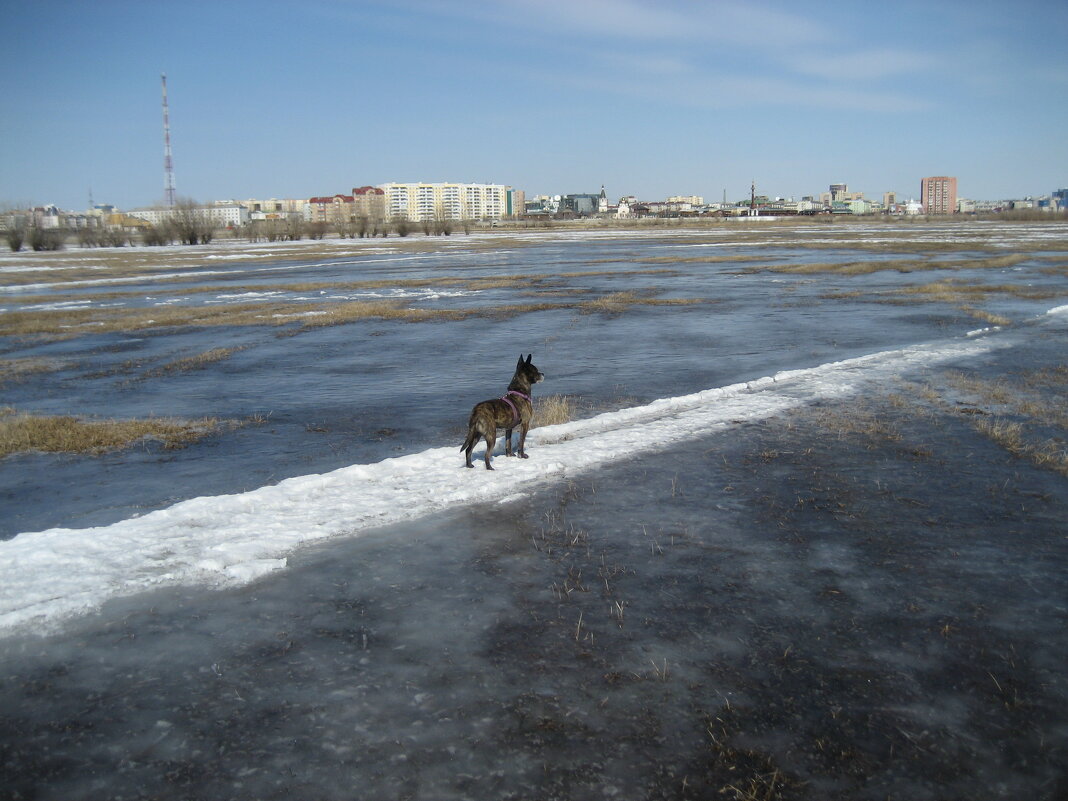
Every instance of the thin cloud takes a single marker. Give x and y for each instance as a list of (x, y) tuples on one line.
[(734, 91), (748, 25), (715, 53), (865, 65)]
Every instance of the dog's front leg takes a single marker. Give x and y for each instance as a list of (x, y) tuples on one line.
[(523, 441)]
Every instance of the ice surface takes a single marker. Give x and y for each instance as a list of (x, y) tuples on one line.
[(48, 576)]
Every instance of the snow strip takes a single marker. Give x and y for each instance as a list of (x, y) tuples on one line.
[(49, 576)]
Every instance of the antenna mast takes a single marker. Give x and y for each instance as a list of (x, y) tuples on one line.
[(168, 163)]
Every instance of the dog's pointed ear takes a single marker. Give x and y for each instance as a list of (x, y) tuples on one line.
[(519, 364), (529, 357)]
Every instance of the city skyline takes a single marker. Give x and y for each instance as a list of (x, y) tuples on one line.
[(550, 97)]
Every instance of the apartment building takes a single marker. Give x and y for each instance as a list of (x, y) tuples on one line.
[(223, 215), (428, 201), (260, 208), (365, 202), (938, 194)]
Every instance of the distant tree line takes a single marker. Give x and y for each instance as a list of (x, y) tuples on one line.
[(190, 224)]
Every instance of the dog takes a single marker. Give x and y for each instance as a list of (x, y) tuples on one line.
[(514, 408)]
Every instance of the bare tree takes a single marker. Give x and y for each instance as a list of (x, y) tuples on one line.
[(46, 238), (157, 235), (442, 222), (346, 225), (294, 228), (15, 236), (113, 237), (88, 237), (191, 224), (401, 225)]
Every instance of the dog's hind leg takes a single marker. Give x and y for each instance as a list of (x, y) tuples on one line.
[(491, 441), (508, 442)]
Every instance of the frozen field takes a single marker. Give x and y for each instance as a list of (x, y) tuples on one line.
[(787, 551)]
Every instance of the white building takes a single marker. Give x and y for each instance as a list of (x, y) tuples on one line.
[(223, 216), (428, 201)]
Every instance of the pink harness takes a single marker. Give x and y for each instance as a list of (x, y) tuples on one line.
[(515, 412)]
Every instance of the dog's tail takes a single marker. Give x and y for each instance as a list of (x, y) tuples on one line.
[(472, 435)]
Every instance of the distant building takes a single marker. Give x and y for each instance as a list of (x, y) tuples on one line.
[(516, 200), (329, 209), (230, 215), (271, 208), (839, 193), (580, 205), (428, 201), (365, 202), (938, 194)]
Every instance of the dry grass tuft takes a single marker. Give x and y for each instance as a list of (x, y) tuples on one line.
[(553, 410), (619, 302), (1008, 435), (613, 303), (987, 317), (20, 433), (857, 421), (198, 362)]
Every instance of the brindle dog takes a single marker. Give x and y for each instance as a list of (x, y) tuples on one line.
[(513, 409)]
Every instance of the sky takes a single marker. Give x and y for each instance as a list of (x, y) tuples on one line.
[(652, 99)]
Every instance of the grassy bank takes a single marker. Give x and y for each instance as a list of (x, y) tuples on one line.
[(66, 434)]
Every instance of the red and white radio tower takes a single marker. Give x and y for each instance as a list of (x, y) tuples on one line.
[(168, 163)]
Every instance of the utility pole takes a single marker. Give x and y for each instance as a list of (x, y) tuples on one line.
[(168, 163)]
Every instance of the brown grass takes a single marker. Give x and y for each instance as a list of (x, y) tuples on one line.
[(706, 259), (867, 267), (214, 284), (65, 434), (857, 421), (986, 317), (955, 291), (613, 303), (69, 323), (553, 410), (619, 302), (1007, 409), (197, 362), (14, 370)]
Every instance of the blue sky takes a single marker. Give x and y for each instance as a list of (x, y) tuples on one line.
[(653, 99)]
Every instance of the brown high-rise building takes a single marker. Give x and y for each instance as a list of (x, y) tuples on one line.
[(938, 195)]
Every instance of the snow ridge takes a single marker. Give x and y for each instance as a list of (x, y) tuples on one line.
[(216, 541)]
